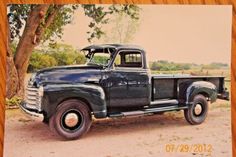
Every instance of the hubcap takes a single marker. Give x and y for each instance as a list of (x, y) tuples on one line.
[(71, 119), (198, 109)]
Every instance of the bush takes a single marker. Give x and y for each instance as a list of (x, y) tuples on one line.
[(39, 60), (56, 55), (14, 102), (215, 65), (169, 66), (68, 58)]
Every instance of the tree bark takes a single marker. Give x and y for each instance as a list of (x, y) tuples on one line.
[(12, 77), (34, 29), (48, 20), (26, 44)]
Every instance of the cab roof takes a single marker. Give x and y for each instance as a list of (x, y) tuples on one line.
[(114, 46)]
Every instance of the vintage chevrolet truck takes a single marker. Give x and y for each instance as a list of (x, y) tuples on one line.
[(115, 82)]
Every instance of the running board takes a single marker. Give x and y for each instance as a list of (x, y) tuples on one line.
[(162, 102), (147, 111)]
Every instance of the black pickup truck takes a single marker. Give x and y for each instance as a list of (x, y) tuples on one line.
[(115, 82)]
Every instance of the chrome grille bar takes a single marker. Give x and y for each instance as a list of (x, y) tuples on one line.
[(32, 98)]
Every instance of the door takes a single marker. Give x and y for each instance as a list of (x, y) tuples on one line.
[(129, 81)]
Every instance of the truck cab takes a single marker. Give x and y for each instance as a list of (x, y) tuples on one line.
[(115, 82)]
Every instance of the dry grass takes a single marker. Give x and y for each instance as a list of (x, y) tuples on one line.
[(213, 72)]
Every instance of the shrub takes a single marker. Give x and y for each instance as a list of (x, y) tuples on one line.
[(14, 102), (40, 60), (56, 55), (169, 66)]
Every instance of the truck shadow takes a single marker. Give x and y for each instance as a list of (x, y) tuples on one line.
[(36, 130), (129, 125)]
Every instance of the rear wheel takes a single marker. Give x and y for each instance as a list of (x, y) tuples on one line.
[(71, 120), (197, 111)]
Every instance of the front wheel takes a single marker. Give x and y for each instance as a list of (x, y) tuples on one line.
[(197, 111), (71, 120)]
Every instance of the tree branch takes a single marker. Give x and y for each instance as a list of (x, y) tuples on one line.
[(47, 22)]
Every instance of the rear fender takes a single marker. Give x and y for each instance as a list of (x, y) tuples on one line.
[(207, 89)]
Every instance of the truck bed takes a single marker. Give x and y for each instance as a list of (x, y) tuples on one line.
[(167, 86)]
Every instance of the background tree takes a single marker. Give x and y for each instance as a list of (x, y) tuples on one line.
[(56, 55), (123, 28), (31, 25), (163, 65)]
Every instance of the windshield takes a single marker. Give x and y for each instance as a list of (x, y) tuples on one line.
[(102, 59), (99, 57)]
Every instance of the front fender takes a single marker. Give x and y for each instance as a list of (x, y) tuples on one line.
[(208, 89), (94, 95)]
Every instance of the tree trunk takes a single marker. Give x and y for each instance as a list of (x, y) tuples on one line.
[(12, 77), (35, 27), (26, 45)]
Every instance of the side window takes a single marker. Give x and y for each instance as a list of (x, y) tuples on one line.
[(129, 59), (133, 58)]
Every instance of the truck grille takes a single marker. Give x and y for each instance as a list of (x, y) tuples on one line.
[(33, 100)]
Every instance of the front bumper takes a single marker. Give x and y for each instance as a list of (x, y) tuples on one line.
[(31, 112)]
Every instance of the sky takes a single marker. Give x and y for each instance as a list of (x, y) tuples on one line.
[(181, 33)]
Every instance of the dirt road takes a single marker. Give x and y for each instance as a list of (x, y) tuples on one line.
[(127, 137)]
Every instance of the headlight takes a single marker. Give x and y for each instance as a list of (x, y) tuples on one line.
[(41, 90)]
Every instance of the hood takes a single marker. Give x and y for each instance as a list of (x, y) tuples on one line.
[(67, 74)]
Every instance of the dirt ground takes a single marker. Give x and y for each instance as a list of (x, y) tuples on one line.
[(146, 136)]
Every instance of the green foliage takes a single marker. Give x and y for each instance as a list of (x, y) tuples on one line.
[(17, 17), (163, 65), (64, 17), (98, 14), (40, 60), (13, 46), (55, 55), (65, 54), (169, 66), (13, 102), (103, 60), (215, 65)]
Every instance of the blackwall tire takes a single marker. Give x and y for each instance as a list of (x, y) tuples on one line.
[(71, 120), (191, 115)]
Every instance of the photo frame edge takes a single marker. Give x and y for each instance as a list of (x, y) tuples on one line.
[(3, 48)]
